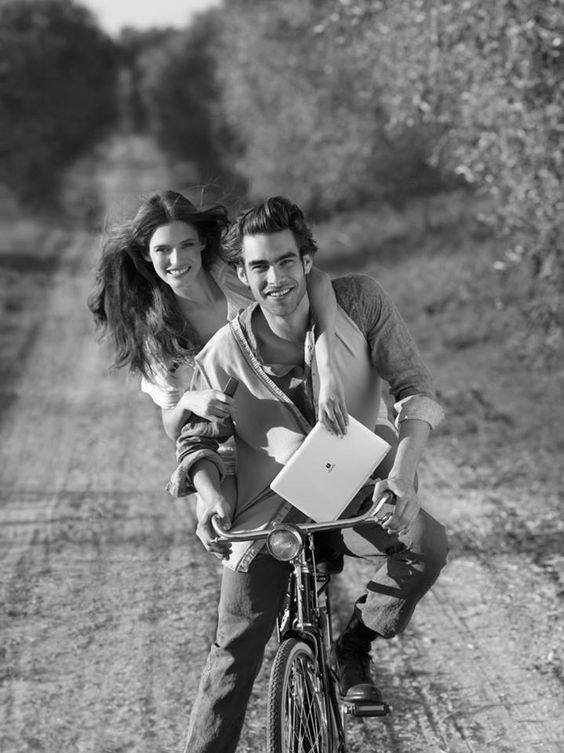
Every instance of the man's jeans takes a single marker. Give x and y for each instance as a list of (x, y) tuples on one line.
[(249, 604)]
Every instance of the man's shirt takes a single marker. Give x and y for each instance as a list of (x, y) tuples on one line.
[(293, 375)]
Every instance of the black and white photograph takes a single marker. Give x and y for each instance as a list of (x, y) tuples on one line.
[(281, 376)]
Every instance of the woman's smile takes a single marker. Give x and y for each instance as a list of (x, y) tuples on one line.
[(179, 271)]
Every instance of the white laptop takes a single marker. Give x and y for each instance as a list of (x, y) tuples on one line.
[(326, 471)]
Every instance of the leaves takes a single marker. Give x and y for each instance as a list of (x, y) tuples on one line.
[(57, 92)]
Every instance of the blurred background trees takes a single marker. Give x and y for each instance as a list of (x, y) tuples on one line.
[(57, 93), (340, 104)]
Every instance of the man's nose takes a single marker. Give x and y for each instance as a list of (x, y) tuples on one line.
[(273, 275)]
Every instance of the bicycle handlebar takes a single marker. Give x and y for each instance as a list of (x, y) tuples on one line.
[(254, 534)]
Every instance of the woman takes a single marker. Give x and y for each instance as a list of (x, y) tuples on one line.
[(162, 290)]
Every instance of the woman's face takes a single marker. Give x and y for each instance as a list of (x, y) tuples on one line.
[(175, 250)]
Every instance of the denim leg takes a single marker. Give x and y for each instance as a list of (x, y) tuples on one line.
[(407, 567), (247, 611)]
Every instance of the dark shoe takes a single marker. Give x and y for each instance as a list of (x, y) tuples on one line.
[(351, 660)]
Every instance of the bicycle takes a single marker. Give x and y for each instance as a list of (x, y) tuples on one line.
[(305, 712)]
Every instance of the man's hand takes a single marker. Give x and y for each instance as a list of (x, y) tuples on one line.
[(332, 409), (205, 510), (407, 504)]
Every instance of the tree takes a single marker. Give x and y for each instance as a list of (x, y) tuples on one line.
[(182, 101), (340, 101), (58, 74)]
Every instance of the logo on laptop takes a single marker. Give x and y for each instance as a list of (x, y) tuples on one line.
[(329, 467)]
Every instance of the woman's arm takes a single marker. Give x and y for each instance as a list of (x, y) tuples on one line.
[(208, 404), (332, 410)]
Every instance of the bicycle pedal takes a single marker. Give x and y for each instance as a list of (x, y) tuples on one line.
[(365, 709)]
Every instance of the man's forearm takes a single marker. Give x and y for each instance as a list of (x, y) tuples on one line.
[(206, 478), (413, 435)]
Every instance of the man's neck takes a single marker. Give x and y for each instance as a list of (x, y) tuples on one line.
[(292, 327), (281, 339)]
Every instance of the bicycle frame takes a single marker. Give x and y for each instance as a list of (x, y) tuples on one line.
[(306, 611), (306, 614)]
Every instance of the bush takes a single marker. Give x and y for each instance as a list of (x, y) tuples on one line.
[(182, 101), (57, 92), (301, 93), (342, 102)]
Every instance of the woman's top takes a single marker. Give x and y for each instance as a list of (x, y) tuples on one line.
[(171, 380)]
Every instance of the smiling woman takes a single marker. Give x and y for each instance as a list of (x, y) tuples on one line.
[(175, 250)]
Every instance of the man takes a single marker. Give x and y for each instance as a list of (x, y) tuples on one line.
[(269, 349)]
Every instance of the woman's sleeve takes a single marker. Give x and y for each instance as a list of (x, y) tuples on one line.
[(164, 396), (167, 386)]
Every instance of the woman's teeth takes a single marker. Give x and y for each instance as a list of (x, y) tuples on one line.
[(178, 272)]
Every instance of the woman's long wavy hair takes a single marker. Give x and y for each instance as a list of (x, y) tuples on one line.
[(132, 307)]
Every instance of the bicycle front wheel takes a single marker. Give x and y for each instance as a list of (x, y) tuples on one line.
[(297, 712)]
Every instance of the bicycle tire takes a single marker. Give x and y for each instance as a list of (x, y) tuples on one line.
[(297, 720)]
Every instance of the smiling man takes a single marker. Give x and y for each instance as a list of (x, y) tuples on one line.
[(269, 348)]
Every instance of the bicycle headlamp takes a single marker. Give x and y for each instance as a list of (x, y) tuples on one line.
[(284, 543)]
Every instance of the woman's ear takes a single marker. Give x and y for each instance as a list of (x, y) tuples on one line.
[(242, 275)]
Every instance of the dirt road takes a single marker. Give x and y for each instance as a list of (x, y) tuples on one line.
[(109, 599)]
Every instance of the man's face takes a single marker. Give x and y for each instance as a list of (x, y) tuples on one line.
[(275, 271)]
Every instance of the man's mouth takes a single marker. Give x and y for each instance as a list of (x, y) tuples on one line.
[(179, 271), (279, 292)]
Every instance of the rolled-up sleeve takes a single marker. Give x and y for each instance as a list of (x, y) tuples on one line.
[(191, 449), (199, 439), (420, 407)]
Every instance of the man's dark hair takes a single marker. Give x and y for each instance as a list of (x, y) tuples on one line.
[(272, 216)]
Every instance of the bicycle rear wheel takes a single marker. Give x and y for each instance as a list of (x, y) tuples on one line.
[(297, 714)]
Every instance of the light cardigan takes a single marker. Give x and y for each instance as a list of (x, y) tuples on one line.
[(268, 427)]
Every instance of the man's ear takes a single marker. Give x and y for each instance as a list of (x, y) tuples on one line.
[(241, 274), (307, 261)]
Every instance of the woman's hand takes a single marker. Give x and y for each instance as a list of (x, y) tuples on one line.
[(331, 409), (406, 507), (208, 404)]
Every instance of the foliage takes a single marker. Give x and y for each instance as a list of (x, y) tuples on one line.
[(309, 111), (57, 92), (134, 43), (342, 101), (182, 100)]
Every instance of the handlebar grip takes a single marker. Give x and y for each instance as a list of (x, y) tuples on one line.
[(217, 527), (385, 506)]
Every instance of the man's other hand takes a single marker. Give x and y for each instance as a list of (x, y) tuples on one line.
[(206, 509), (407, 504)]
